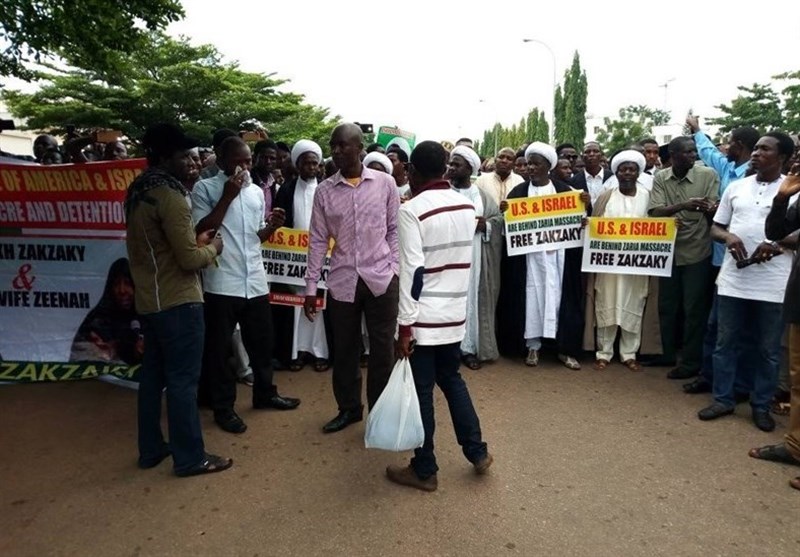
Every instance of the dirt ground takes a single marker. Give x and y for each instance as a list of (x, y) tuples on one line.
[(586, 463)]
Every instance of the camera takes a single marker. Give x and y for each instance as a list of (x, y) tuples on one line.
[(365, 128)]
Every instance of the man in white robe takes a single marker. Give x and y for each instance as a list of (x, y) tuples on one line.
[(543, 269), (309, 339), (620, 299), (479, 343)]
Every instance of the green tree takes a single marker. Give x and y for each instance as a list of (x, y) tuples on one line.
[(762, 107), (633, 124), (170, 80), (570, 105), (93, 34), (532, 127)]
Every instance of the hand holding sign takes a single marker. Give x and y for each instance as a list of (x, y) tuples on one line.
[(310, 308)]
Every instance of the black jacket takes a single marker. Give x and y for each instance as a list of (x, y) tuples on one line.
[(579, 179), (285, 200), (782, 221)]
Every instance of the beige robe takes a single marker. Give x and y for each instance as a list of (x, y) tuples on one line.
[(625, 300)]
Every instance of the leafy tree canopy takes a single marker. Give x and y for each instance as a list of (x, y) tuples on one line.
[(763, 107), (169, 80), (633, 124), (85, 33)]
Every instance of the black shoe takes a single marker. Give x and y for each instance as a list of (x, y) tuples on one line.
[(698, 386), (277, 402), (230, 421), (656, 361), (714, 411), (342, 420), (682, 373), (763, 420)]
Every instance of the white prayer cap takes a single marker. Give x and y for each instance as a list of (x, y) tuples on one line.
[(375, 156), (628, 156), (402, 144), (305, 146), (544, 150), (468, 155)]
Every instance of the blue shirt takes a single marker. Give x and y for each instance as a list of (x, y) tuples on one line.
[(728, 172)]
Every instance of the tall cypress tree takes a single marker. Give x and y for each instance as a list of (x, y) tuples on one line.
[(570, 105)]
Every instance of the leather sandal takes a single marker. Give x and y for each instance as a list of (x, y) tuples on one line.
[(774, 453), (209, 465), (632, 365), (601, 364), (297, 364), (322, 364)]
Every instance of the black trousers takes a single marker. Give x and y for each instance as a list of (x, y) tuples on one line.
[(381, 316), (254, 317)]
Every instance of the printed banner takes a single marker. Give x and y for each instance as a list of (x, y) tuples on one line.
[(285, 256), (66, 196), (295, 300), (387, 133), (66, 293), (543, 223), (629, 246)]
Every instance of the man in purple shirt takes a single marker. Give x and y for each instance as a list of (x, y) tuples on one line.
[(357, 208)]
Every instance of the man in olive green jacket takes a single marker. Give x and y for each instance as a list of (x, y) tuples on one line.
[(165, 256)]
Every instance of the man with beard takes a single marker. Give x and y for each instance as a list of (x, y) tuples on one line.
[(498, 183), (309, 339), (480, 343), (357, 208), (542, 293)]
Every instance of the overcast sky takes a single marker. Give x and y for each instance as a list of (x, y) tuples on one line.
[(424, 65)]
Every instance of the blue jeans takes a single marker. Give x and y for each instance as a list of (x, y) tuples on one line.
[(744, 373), (747, 326), (173, 351), (438, 365)]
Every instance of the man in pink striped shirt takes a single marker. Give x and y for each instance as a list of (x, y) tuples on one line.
[(357, 208)]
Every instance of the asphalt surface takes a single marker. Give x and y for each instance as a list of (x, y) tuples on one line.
[(586, 463)]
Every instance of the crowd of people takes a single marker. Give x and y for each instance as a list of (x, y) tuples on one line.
[(419, 268)]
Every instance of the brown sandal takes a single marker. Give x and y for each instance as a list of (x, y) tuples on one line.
[(795, 483), (632, 365), (601, 364)]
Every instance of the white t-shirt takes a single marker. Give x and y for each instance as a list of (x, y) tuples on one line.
[(743, 209)]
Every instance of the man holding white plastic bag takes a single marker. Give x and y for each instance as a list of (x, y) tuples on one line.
[(436, 227)]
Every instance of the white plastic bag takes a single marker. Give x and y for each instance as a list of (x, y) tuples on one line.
[(395, 422)]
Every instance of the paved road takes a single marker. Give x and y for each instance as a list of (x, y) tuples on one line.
[(587, 463)]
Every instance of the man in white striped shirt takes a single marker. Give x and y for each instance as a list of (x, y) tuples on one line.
[(436, 228)]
